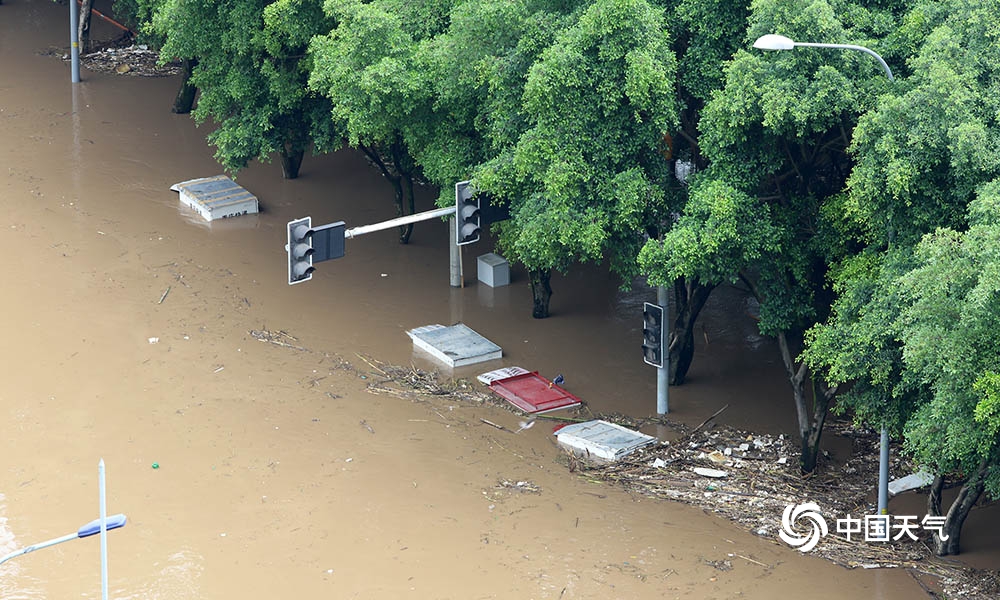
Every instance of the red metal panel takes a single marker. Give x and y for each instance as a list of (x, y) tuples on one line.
[(533, 394)]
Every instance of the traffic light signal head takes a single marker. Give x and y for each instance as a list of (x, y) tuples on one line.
[(300, 250), (467, 221), (652, 334)]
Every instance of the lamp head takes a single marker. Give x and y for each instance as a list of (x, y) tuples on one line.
[(773, 42)]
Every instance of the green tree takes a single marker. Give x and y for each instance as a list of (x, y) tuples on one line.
[(476, 71), (586, 175), (251, 68), (368, 69), (907, 327), (948, 328), (705, 35), (765, 210)]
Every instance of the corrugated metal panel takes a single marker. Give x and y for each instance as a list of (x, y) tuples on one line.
[(456, 345), (217, 197), (602, 440)]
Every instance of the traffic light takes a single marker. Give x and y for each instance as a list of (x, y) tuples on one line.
[(652, 334), (300, 250), (467, 224)]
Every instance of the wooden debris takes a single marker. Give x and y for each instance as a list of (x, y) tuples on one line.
[(519, 486), (705, 422), (492, 424), (759, 487), (276, 338)]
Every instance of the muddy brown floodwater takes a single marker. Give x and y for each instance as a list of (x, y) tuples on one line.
[(279, 474)]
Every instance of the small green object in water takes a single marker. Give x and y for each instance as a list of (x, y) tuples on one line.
[(156, 465)]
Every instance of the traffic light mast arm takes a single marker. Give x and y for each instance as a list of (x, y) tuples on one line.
[(414, 218)]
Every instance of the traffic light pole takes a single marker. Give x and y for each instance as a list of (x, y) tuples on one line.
[(455, 275), (308, 245), (74, 43), (397, 222), (663, 372)]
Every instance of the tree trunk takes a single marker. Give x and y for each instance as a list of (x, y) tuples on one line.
[(397, 188), (291, 160), (411, 199), (959, 510), (690, 296), (541, 292), (822, 398), (404, 191), (83, 31), (810, 429), (185, 95), (394, 179)]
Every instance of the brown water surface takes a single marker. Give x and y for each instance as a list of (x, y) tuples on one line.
[(279, 474)]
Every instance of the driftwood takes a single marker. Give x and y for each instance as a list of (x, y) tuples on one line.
[(705, 422)]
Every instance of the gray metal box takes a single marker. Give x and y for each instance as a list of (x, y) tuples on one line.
[(494, 270)]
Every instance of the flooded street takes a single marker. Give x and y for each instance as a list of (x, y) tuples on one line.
[(278, 474)]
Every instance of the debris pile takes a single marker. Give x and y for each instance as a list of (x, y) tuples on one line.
[(136, 60), (751, 479)]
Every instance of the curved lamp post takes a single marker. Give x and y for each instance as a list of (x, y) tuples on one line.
[(780, 42), (772, 41)]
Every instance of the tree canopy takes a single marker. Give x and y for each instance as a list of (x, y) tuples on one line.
[(764, 210), (251, 71), (908, 328), (586, 175)]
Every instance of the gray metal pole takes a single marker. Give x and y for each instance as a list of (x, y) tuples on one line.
[(868, 51), (663, 373), (104, 521), (883, 473), (74, 42), (454, 254), (354, 232)]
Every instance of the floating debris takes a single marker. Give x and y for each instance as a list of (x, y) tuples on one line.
[(276, 338), (525, 487)]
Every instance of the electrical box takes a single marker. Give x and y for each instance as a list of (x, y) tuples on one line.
[(494, 270)]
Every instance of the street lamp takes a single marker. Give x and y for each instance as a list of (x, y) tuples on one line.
[(779, 42)]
